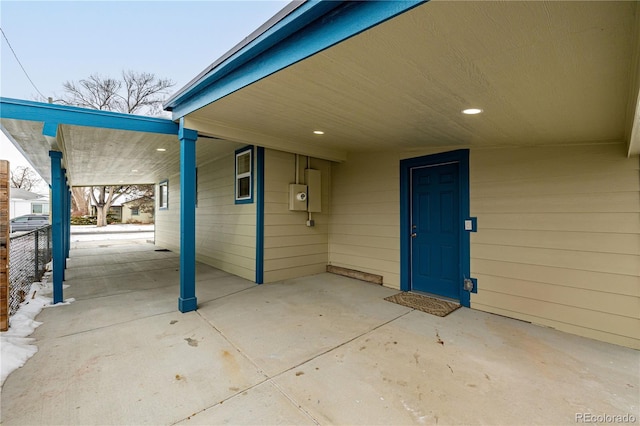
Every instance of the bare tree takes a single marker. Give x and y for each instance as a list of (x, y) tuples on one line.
[(24, 178), (135, 92), (103, 197), (80, 201)]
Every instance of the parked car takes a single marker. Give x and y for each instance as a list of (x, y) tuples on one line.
[(29, 222)]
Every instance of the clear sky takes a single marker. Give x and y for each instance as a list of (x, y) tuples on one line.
[(67, 41)]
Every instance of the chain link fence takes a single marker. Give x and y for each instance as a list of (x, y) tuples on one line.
[(28, 257)]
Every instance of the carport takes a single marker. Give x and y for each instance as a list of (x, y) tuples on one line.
[(71, 146), (544, 222)]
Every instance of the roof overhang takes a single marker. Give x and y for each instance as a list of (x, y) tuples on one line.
[(396, 75)]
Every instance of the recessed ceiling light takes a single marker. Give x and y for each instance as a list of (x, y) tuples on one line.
[(134, 170), (318, 132), (471, 111), (161, 149)]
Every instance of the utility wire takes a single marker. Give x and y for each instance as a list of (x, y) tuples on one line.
[(20, 63)]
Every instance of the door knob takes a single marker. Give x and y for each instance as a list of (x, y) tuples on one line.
[(413, 235)]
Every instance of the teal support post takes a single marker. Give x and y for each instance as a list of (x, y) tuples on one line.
[(187, 301), (57, 213), (260, 215), (68, 222), (65, 220)]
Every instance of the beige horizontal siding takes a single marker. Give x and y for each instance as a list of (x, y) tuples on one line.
[(576, 222), (365, 219), (386, 230), (624, 264), (590, 299), (240, 266), (293, 272), (278, 239), (291, 249), (599, 242), (609, 202), (554, 311), (581, 183), (627, 285), (225, 231), (167, 227), (610, 337), (558, 239)]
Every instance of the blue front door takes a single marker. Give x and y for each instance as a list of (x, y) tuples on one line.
[(435, 239)]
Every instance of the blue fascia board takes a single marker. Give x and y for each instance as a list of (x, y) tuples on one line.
[(293, 22), (54, 115), (312, 28)]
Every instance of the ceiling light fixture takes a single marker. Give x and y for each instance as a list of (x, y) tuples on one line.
[(161, 149), (134, 170), (318, 132), (471, 111)]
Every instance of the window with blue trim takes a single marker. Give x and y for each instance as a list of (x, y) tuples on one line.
[(244, 175), (163, 195)]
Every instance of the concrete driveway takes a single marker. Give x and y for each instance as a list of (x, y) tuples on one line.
[(318, 350)]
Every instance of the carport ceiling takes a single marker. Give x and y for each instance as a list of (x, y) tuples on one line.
[(543, 72), (96, 156)]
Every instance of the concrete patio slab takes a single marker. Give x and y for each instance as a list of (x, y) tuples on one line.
[(468, 368), (284, 324), (106, 311), (324, 349), (141, 372), (264, 404)]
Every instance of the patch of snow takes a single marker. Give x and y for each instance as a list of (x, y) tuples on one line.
[(15, 346), (112, 228)]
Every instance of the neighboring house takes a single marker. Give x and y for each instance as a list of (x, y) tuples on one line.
[(530, 209), (25, 202), (125, 212), (133, 212), (115, 211)]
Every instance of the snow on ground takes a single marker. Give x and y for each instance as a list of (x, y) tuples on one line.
[(114, 227), (112, 232), (15, 345)]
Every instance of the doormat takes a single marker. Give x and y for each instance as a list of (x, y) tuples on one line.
[(427, 304)]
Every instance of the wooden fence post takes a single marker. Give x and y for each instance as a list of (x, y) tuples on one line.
[(4, 244)]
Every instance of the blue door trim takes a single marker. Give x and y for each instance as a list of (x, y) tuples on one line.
[(460, 156), (259, 215)]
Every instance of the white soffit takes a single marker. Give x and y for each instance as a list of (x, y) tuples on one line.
[(543, 72)]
